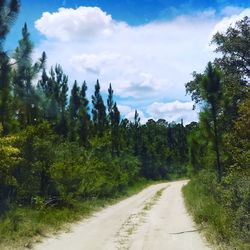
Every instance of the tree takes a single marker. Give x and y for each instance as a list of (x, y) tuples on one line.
[(74, 105), (8, 13), (234, 47), (25, 94), (115, 136), (207, 89), (110, 102), (9, 159), (5, 95), (98, 111), (136, 132), (53, 90), (84, 118)]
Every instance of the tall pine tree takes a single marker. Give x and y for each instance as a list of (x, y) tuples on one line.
[(8, 13), (25, 72), (74, 105), (84, 117), (98, 111)]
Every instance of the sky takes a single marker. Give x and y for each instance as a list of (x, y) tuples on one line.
[(147, 49)]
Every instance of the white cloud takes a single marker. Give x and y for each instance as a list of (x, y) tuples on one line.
[(152, 60), (173, 111), (146, 64), (93, 63), (69, 24), (124, 109), (231, 19)]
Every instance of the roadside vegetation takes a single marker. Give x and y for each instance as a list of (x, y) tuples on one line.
[(64, 154), (218, 194)]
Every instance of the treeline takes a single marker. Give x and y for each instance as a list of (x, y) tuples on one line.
[(57, 146), (219, 146)]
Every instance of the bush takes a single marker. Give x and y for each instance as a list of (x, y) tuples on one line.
[(36, 145), (222, 209)]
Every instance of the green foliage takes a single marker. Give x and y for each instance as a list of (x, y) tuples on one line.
[(225, 223), (98, 111), (54, 154), (25, 71), (9, 159), (36, 149), (223, 207), (234, 45), (23, 226), (207, 89)]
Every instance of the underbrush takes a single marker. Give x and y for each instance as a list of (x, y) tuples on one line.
[(220, 222), (21, 227)]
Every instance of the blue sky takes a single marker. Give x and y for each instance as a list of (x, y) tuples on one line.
[(134, 12), (146, 48)]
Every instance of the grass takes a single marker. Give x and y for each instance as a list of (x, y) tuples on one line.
[(212, 218), (21, 227), (154, 199)]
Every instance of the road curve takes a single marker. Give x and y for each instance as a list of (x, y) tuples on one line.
[(154, 219)]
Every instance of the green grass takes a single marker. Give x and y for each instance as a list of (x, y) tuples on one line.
[(153, 200), (212, 218), (21, 227)]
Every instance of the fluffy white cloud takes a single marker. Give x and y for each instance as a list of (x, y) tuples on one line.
[(173, 111), (152, 60), (70, 24), (146, 64)]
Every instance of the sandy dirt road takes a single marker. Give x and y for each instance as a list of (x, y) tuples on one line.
[(154, 219)]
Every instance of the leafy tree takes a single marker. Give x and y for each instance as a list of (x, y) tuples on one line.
[(234, 46), (33, 173), (9, 159)]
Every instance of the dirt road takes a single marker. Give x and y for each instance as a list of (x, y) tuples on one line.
[(154, 219)]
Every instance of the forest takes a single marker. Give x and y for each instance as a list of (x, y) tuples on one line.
[(59, 147)]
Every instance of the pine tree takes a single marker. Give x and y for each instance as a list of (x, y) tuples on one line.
[(74, 105), (8, 14), (62, 83), (84, 118), (110, 102), (25, 94), (136, 132), (53, 92), (212, 94), (98, 111), (5, 96), (115, 135)]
